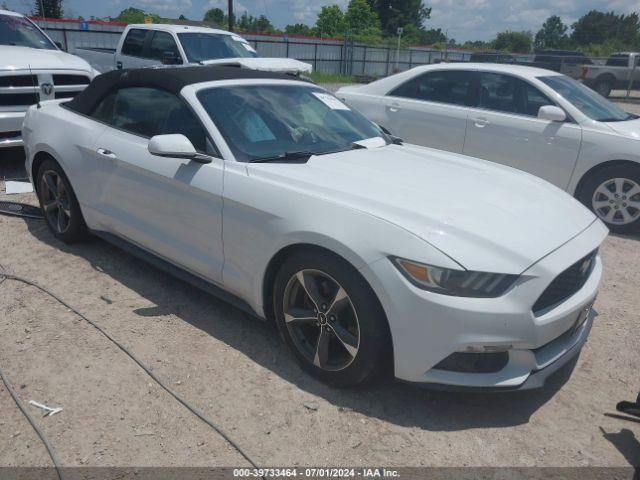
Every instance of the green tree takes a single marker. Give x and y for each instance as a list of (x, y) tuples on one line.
[(361, 19), (510, 41), (48, 8), (330, 22), (394, 14), (215, 15), (553, 34), (135, 15), (597, 27), (298, 29)]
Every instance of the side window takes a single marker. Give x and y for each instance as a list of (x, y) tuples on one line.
[(148, 112), (498, 92), (161, 43), (104, 110), (508, 94), (134, 43), (453, 87), (534, 99)]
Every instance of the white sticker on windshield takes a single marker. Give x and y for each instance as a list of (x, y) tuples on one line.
[(330, 101), (248, 47)]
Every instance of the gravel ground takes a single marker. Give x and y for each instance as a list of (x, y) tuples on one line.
[(236, 370)]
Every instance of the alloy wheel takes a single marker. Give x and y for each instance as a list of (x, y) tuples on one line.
[(55, 201), (321, 320), (617, 201)]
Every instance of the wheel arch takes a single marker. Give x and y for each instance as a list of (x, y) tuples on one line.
[(598, 168), (38, 159)]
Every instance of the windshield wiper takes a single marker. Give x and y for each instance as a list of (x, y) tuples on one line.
[(286, 156)]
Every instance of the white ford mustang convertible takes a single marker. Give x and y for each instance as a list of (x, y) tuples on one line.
[(368, 254)]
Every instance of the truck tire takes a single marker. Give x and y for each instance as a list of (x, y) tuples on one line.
[(604, 85)]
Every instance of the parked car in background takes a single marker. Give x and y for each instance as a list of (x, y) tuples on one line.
[(32, 67), (368, 254), (619, 72), (536, 120), (491, 57), (151, 45), (568, 62)]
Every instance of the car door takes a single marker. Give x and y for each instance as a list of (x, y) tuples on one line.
[(431, 109), (135, 48), (505, 128), (169, 206)]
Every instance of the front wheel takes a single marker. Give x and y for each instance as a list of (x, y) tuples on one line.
[(331, 320), (613, 194)]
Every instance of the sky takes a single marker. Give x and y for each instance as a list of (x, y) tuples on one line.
[(461, 19)]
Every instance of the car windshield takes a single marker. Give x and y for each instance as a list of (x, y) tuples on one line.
[(261, 122), (200, 47), (592, 104), (20, 32)]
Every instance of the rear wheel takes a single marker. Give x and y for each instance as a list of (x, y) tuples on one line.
[(330, 319), (59, 204), (604, 86), (613, 194)]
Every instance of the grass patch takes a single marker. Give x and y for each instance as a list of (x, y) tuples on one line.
[(320, 77)]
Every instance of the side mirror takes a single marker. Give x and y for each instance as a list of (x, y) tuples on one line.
[(174, 146), (552, 113), (170, 58), (59, 45)]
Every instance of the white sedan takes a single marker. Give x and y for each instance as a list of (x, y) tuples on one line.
[(536, 120), (275, 195)]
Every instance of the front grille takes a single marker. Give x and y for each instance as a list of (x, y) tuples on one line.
[(71, 80), (15, 91), (18, 99), (566, 284), (7, 135), (19, 81)]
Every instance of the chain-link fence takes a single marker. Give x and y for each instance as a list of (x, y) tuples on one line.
[(617, 76)]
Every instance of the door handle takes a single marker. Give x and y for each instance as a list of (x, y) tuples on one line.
[(103, 152), (481, 122), (394, 107)]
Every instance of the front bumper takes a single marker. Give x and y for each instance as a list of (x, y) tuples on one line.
[(427, 328), (10, 129)]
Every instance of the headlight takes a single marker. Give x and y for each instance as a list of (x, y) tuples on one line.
[(458, 283)]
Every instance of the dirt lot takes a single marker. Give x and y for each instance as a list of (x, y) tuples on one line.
[(236, 370)]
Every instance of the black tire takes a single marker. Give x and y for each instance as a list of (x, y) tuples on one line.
[(374, 352), (74, 228), (604, 86), (605, 178)]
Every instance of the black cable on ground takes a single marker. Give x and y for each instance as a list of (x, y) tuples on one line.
[(43, 437), (6, 276)]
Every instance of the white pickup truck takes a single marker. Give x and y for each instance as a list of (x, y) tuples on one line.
[(621, 71), (151, 45), (32, 68)]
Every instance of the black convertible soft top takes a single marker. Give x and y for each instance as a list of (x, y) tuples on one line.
[(172, 80)]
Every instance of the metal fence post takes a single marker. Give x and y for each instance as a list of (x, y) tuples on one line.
[(364, 60), (631, 77), (315, 57), (387, 69), (410, 58)]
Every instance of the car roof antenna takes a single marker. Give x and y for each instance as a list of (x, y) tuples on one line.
[(35, 87)]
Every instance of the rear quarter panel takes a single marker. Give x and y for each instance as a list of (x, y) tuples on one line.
[(64, 135)]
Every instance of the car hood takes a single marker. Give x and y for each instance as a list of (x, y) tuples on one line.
[(629, 128), (23, 58), (485, 216), (282, 65)]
